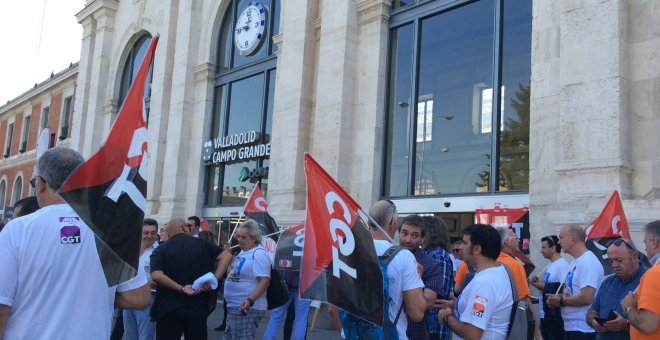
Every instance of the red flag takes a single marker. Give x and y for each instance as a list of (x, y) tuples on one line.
[(612, 222), (339, 262), (516, 219), (108, 191), (257, 209)]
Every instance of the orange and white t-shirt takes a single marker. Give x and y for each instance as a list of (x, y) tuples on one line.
[(649, 299)]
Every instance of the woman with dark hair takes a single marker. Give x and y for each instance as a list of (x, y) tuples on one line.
[(26, 206), (435, 246), (207, 235)]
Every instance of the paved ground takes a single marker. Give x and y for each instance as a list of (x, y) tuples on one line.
[(215, 319)]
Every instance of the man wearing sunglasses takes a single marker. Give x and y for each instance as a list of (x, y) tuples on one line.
[(552, 326), (625, 262)]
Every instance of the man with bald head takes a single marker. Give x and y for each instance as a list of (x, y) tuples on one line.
[(178, 308), (585, 275), (405, 284)]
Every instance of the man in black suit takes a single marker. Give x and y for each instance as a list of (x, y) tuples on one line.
[(178, 308)]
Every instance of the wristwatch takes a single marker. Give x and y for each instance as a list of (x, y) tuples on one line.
[(561, 301), (250, 301)]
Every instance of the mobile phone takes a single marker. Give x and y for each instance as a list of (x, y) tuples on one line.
[(611, 315), (601, 321)]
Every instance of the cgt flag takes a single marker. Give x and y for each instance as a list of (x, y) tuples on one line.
[(609, 225), (339, 263), (289, 248), (108, 191), (257, 209)]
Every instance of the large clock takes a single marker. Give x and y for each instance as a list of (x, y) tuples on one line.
[(250, 28)]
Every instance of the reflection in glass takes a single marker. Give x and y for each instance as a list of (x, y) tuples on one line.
[(234, 191), (398, 116), (246, 105), (226, 41), (131, 67), (212, 185), (400, 3), (516, 72), (455, 66)]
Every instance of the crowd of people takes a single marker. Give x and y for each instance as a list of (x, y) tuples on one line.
[(436, 289)]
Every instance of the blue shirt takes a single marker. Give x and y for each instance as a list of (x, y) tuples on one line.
[(445, 279), (609, 297)]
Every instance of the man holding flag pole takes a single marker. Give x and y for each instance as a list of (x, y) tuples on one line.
[(340, 263)]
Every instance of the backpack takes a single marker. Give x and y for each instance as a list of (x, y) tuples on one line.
[(355, 327), (277, 292), (521, 322)]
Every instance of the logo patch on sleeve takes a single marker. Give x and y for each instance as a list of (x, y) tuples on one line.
[(69, 230), (479, 306)]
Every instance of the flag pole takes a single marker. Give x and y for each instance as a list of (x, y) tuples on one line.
[(238, 221), (389, 238), (543, 270)]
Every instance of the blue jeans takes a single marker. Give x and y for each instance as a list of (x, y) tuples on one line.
[(138, 325), (277, 315)]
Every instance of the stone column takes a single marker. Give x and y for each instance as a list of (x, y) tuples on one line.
[(595, 150), (98, 20), (292, 112), (182, 156)]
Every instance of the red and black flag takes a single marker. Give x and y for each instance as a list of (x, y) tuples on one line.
[(611, 224), (290, 248), (516, 219), (257, 209), (339, 263), (108, 191)]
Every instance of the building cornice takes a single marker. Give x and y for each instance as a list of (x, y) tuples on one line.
[(101, 6), (54, 81)]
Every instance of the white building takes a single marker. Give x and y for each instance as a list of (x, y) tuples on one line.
[(415, 101)]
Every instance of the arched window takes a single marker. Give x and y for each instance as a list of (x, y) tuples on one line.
[(3, 197), (458, 97), (130, 70), (243, 101), (17, 192)]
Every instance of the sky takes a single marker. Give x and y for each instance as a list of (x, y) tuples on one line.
[(37, 37)]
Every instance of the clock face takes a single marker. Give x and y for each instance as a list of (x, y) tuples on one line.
[(249, 29)]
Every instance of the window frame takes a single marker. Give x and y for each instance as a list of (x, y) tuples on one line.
[(65, 117), (414, 14), (267, 66)]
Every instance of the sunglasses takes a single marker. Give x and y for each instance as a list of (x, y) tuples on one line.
[(33, 181), (455, 250), (551, 239), (618, 242)]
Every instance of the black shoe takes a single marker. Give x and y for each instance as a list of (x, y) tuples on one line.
[(220, 328)]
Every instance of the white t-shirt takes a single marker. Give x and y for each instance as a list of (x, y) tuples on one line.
[(486, 303), (52, 278), (403, 275), (455, 262), (242, 277), (145, 260), (556, 272), (584, 271)]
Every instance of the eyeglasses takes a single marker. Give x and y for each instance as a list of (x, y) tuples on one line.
[(33, 181), (618, 242)]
